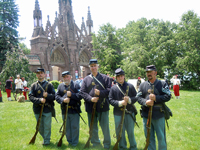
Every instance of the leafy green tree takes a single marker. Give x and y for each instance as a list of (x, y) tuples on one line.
[(164, 48), (24, 48), (188, 55), (8, 28), (17, 63), (107, 49), (148, 42), (135, 48)]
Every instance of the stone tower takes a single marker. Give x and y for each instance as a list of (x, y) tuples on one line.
[(61, 46)]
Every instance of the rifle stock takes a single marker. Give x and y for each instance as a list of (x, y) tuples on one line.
[(121, 124), (64, 124), (87, 145), (149, 123), (64, 127), (32, 141)]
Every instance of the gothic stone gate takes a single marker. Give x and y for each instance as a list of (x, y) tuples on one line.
[(61, 46)]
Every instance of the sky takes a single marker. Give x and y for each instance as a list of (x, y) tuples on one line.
[(116, 12)]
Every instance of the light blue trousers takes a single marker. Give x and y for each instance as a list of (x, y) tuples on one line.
[(72, 128), (104, 123), (129, 127), (158, 128), (45, 126)]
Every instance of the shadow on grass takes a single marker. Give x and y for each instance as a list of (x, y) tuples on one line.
[(65, 145)]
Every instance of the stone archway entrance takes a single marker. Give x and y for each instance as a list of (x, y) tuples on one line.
[(59, 63)]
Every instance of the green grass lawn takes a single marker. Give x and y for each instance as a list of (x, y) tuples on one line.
[(17, 126)]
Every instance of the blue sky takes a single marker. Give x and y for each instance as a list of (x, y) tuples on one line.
[(116, 12)]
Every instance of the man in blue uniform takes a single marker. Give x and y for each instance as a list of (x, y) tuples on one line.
[(92, 95), (146, 98), (68, 93), (42, 92), (118, 99)]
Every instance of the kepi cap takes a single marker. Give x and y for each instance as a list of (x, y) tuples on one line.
[(39, 70), (150, 68), (119, 71), (93, 61), (65, 73)]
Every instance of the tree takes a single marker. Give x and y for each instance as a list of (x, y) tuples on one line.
[(107, 49), (148, 42), (17, 63), (24, 48), (8, 28), (188, 56)]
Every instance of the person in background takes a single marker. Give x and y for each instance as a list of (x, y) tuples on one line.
[(91, 94), (60, 81), (118, 99), (72, 97), (42, 92), (112, 79), (153, 93), (9, 88), (176, 83), (24, 85), (78, 83), (0, 94), (138, 83), (18, 86)]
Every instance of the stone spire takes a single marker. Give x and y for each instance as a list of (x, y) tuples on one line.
[(63, 4), (89, 22), (83, 24), (69, 2), (37, 15)]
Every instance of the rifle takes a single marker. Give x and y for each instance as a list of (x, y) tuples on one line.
[(64, 124), (121, 124), (149, 122), (32, 141), (87, 145)]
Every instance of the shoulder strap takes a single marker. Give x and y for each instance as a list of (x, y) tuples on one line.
[(97, 81), (120, 89), (45, 86)]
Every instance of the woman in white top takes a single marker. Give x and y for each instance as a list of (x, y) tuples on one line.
[(176, 82)]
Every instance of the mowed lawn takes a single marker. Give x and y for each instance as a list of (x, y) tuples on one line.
[(17, 126)]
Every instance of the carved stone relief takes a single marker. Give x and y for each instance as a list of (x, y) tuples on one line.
[(57, 57), (83, 59)]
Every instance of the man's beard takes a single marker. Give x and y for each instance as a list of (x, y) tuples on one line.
[(41, 78), (66, 82), (150, 77)]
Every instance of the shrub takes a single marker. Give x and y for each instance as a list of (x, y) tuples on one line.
[(55, 83)]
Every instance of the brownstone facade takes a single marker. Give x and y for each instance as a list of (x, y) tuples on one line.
[(61, 45)]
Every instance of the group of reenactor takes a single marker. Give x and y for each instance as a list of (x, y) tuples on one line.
[(98, 94), (20, 87)]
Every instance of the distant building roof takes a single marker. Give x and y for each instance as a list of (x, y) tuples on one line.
[(33, 60)]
